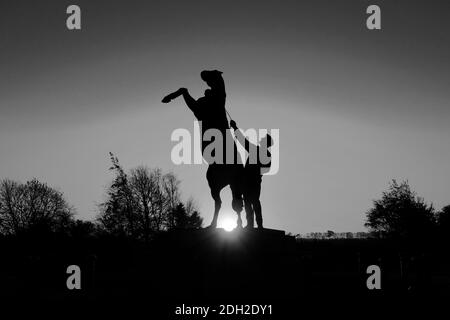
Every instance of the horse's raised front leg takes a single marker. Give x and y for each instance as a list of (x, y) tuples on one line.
[(173, 95)]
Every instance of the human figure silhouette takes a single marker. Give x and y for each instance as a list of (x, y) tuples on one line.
[(254, 168), (210, 110)]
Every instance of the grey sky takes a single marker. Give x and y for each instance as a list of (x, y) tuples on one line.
[(355, 108)]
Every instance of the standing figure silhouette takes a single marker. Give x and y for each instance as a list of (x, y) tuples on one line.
[(258, 163), (210, 110)]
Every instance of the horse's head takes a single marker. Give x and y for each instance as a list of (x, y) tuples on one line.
[(213, 79)]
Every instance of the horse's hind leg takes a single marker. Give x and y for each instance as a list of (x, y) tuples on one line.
[(237, 202), (239, 220), (217, 204)]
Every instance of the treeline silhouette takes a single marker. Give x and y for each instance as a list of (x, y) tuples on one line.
[(402, 214), (138, 205), (399, 214), (144, 202)]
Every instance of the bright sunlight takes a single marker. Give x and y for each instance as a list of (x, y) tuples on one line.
[(227, 223)]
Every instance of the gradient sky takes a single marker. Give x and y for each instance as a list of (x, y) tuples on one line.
[(355, 108)]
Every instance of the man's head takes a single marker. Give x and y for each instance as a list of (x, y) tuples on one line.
[(213, 78), (267, 141)]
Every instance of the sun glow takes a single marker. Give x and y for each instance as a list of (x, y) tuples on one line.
[(228, 224)]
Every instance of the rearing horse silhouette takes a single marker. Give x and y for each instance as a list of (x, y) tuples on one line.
[(210, 110)]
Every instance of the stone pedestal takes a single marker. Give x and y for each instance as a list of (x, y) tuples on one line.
[(213, 263)]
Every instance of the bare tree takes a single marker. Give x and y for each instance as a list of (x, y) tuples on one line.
[(10, 198), (147, 197), (33, 205), (144, 188), (171, 190)]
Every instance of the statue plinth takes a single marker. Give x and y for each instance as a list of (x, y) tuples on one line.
[(241, 263)]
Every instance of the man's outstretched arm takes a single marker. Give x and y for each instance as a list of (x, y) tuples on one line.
[(241, 138)]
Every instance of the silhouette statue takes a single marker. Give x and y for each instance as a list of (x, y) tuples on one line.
[(253, 171), (210, 110)]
